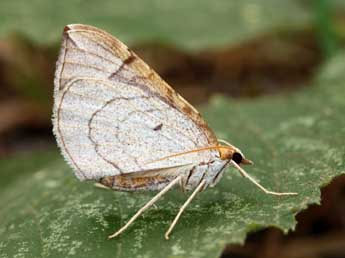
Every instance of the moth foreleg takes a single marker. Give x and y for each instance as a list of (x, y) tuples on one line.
[(246, 175)]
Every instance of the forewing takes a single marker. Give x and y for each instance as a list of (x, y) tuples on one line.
[(114, 115)]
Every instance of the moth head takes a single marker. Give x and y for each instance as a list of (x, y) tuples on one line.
[(231, 152)]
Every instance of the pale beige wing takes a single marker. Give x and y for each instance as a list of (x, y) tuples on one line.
[(113, 114)]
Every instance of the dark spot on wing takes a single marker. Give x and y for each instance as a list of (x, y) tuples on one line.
[(66, 28), (158, 127), (129, 59)]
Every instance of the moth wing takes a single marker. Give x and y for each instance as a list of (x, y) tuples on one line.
[(114, 115)]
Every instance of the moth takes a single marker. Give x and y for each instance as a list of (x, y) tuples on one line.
[(118, 123)]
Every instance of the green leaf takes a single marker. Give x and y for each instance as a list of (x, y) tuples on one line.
[(296, 142), (187, 24)]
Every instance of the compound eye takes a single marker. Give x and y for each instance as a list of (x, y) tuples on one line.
[(237, 157)]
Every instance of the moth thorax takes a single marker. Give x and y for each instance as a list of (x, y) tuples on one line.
[(226, 153)]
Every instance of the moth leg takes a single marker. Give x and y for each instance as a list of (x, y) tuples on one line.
[(146, 206), (183, 207), (246, 175)]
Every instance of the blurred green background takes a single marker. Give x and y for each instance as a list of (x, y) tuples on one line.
[(256, 54)]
